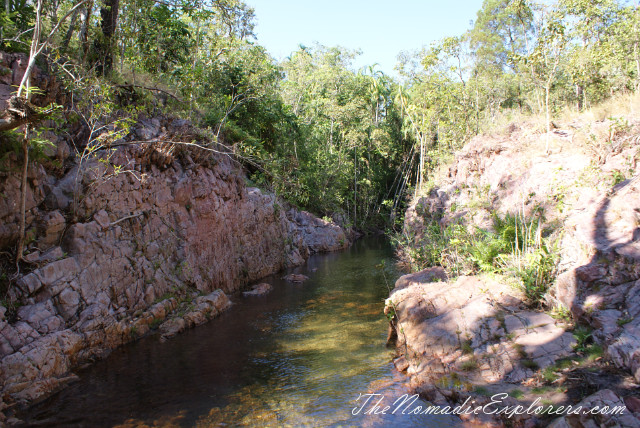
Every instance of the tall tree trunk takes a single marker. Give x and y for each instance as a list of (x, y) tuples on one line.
[(195, 63), (477, 109), (104, 47), (24, 85), (7, 8), (84, 31)]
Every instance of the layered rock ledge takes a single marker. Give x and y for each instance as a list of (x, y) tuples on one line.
[(474, 338), (158, 246)]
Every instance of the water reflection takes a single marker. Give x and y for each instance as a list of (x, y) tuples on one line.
[(297, 357)]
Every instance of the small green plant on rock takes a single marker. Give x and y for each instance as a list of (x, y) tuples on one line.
[(469, 365), (520, 350), (528, 363), (481, 390), (516, 393), (561, 313), (622, 321), (617, 177), (515, 247), (466, 347), (155, 323), (583, 338)]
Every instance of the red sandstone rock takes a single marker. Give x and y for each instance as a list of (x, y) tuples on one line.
[(144, 235)]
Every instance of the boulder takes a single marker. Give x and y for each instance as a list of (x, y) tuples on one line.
[(52, 227), (172, 327)]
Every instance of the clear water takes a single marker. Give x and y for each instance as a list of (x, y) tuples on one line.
[(296, 357)]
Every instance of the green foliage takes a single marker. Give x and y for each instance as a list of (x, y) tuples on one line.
[(466, 347), (155, 323), (561, 313), (515, 247), (516, 393), (583, 338), (617, 177), (15, 24), (164, 41), (331, 139), (481, 390), (528, 363), (622, 321), (469, 365)]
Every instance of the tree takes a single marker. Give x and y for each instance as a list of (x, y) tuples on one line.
[(105, 44), (23, 113), (547, 56)]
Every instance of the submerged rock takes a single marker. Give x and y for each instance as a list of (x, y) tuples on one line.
[(258, 290), (401, 363), (295, 277), (203, 309)]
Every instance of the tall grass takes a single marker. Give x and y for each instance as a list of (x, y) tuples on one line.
[(515, 248), (531, 261)]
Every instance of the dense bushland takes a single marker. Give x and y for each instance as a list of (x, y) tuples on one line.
[(337, 141)]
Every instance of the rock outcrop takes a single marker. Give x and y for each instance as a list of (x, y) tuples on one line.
[(473, 336), (116, 250)]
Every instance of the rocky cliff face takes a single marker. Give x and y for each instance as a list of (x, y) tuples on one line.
[(176, 227), (474, 336)]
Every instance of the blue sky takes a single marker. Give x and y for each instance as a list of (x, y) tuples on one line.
[(379, 29)]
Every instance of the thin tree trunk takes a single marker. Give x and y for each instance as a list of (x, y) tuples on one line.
[(635, 51), (355, 186), (33, 53), (421, 161), (477, 110), (7, 8), (84, 31), (23, 194), (72, 27), (54, 13), (24, 84), (195, 61), (35, 50), (548, 116)]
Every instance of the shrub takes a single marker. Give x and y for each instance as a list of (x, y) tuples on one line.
[(515, 248)]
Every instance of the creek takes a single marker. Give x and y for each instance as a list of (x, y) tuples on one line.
[(298, 356)]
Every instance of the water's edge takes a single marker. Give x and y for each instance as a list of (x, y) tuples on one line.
[(298, 356)]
